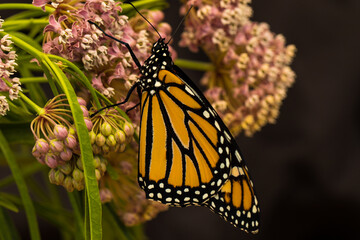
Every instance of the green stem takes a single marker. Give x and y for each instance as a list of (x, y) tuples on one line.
[(33, 80), (34, 106), (23, 23), (194, 65), (23, 190), (24, 6)]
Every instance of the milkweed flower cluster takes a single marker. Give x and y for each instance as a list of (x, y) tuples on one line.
[(251, 73), (57, 145), (70, 35), (110, 132), (10, 85), (112, 71)]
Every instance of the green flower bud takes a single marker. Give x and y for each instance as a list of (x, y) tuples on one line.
[(92, 137), (78, 175), (78, 185), (100, 140), (120, 136), (97, 174), (68, 185), (66, 168), (102, 168), (105, 149), (106, 129), (111, 141), (97, 161), (52, 176), (59, 177), (79, 164), (96, 149)]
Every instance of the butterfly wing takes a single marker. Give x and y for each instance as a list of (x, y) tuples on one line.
[(236, 201), (184, 155)]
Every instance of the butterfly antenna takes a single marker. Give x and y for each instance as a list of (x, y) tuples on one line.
[(181, 22), (143, 17)]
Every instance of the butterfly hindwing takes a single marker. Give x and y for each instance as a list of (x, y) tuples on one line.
[(184, 156), (236, 201)]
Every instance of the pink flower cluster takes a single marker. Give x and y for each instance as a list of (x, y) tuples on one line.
[(251, 73), (70, 35), (9, 84), (57, 143)]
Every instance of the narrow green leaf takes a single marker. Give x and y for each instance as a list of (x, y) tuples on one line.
[(8, 204), (77, 215), (5, 229), (94, 204), (20, 182)]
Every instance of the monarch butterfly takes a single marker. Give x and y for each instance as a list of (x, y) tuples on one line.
[(187, 156)]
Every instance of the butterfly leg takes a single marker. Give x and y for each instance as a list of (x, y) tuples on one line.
[(118, 104)]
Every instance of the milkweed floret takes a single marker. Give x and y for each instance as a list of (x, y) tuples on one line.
[(251, 73)]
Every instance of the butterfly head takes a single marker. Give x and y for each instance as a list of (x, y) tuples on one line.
[(160, 47)]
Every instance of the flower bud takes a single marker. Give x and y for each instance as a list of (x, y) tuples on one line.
[(81, 101), (60, 132), (97, 161), (96, 149), (105, 149), (56, 145), (66, 168), (72, 130), (79, 164), (78, 175), (84, 110), (97, 174), (71, 141), (102, 168), (88, 123), (68, 185), (105, 195), (66, 155), (35, 152), (106, 129), (128, 129), (122, 148), (92, 137), (59, 177), (51, 160), (111, 141), (120, 136), (78, 185), (100, 140), (41, 145), (41, 159), (52, 176)]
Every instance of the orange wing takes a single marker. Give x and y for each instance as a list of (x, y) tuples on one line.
[(236, 201), (184, 155)]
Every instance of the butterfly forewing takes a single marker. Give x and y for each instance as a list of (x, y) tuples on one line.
[(184, 156)]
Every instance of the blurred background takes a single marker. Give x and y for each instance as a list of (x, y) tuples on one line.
[(306, 167)]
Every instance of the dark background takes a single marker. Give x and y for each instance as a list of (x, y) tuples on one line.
[(306, 167)]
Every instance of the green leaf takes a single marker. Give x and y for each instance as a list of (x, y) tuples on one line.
[(20, 182), (8, 204), (94, 204), (5, 224)]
